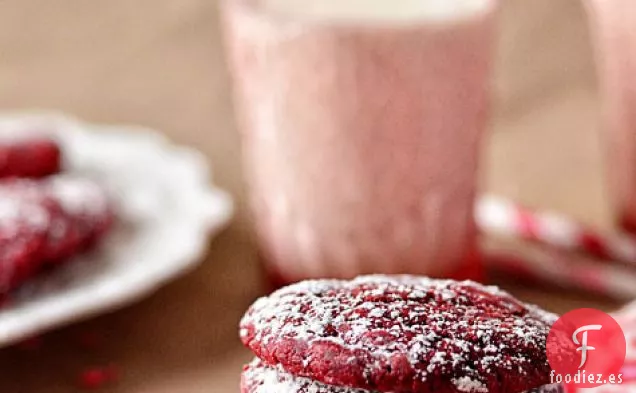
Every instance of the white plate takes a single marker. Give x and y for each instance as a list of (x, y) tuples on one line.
[(168, 210)]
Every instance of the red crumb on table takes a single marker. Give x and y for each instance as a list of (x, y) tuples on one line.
[(97, 377)]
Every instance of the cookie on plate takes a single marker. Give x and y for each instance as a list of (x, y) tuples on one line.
[(86, 210), (79, 212), (23, 231), (45, 222), (401, 334), (29, 156)]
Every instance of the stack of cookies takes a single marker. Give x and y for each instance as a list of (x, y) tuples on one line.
[(399, 334)]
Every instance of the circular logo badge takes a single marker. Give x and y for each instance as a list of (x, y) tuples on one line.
[(585, 349)]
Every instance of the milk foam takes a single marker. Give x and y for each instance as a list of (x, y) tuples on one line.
[(377, 10)]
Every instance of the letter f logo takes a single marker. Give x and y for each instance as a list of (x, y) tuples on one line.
[(583, 343)]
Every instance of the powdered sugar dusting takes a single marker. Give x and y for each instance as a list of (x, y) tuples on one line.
[(466, 384), (22, 225), (78, 195), (258, 377), (16, 212), (425, 330)]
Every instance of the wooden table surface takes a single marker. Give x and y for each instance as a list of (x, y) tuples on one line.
[(160, 64)]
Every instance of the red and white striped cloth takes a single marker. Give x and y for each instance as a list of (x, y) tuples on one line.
[(567, 253), (502, 217)]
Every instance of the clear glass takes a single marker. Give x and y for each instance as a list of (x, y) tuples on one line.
[(361, 135), (613, 26)]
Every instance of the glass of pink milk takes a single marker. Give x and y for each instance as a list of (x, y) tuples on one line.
[(361, 122), (613, 26)]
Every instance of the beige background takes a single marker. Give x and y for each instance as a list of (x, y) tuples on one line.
[(159, 63)]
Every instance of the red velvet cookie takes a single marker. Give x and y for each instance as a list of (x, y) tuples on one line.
[(258, 377), (32, 156), (402, 334), (78, 213), (23, 231), (85, 207)]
